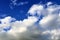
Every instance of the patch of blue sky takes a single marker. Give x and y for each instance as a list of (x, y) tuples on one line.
[(7, 29)]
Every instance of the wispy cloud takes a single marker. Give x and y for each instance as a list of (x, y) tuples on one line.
[(14, 3), (22, 3)]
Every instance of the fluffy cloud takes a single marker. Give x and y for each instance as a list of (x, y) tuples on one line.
[(36, 9), (33, 28), (50, 22), (20, 30)]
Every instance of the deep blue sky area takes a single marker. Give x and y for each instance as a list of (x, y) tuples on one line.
[(19, 12)]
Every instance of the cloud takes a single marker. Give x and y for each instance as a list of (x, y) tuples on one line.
[(18, 30), (49, 3), (14, 3), (50, 21), (33, 28), (22, 3), (36, 9)]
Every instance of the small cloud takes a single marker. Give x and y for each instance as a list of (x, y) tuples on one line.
[(3, 15), (49, 3), (14, 3), (22, 3)]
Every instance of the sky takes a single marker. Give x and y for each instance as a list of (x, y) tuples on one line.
[(29, 19), (19, 8)]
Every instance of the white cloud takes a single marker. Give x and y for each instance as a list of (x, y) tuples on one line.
[(14, 3), (19, 28), (35, 9), (50, 22), (22, 3), (30, 28), (49, 3)]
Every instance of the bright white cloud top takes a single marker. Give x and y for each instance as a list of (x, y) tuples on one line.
[(47, 28)]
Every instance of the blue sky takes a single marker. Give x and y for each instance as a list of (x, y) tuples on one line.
[(19, 12)]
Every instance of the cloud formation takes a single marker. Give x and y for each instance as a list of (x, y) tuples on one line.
[(33, 28), (50, 21)]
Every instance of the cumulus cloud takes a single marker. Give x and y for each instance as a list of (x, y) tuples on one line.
[(20, 30), (50, 21), (33, 28)]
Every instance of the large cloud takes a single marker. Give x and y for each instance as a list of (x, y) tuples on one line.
[(34, 27), (50, 22), (20, 30)]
